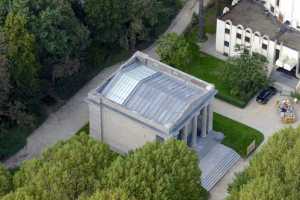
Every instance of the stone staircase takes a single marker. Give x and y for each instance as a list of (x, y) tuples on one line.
[(215, 164)]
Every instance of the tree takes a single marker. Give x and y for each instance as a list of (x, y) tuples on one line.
[(4, 9), (110, 195), (158, 171), (143, 16), (106, 19), (245, 75), (59, 34), (201, 21), (66, 171), (21, 52), (5, 181), (176, 50), (273, 173)]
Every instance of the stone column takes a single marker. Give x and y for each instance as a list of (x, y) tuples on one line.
[(186, 133), (204, 122), (210, 118), (195, 129)]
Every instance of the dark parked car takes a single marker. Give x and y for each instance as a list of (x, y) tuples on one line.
[(265, 95)]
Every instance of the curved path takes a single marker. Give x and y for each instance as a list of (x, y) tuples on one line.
[(73, 115)]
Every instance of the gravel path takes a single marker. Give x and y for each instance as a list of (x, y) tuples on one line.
[(73, 115)]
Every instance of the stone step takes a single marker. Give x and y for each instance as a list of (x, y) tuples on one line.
[(227, 160)]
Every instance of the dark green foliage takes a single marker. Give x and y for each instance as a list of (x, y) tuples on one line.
[(58, 32), (5, 181), (237, 136), (50, 48), (246, 75), (11, 142), (273, 172), (128, 23)]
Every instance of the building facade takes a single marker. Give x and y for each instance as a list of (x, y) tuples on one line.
[(249, 25), (145, 101), (285, 11)]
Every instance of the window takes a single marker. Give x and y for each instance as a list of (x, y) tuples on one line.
[(265, 46), (239, 36), (226, 43), (247, 39), (246, 51), (278, 2), (159, 139), (227, 31), (272, 9)]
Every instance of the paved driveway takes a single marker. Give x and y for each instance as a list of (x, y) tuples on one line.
[(262, 117)]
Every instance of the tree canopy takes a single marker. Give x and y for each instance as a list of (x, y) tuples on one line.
[(50, 48), (274, 171), (67, 170), (83, 168), (176, 51), (5, 181), (158, 171), (252, 69)]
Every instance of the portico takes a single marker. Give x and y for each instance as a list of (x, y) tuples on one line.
[(199, 126)]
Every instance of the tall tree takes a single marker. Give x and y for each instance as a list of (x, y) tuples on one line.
[(201, 20), (21, 52)]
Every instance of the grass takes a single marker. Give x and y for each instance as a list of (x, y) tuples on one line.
[(237, 136), (210, 69)]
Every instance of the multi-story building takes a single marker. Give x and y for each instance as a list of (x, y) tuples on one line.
[(267, 28)]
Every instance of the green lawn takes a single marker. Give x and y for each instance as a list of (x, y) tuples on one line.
[(237, 136), (210, 69)]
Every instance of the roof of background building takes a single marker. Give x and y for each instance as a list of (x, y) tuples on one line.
[(154, 94), (252, 15)]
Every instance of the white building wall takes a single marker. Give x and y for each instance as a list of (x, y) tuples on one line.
[(255, 45), (287, 9)]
